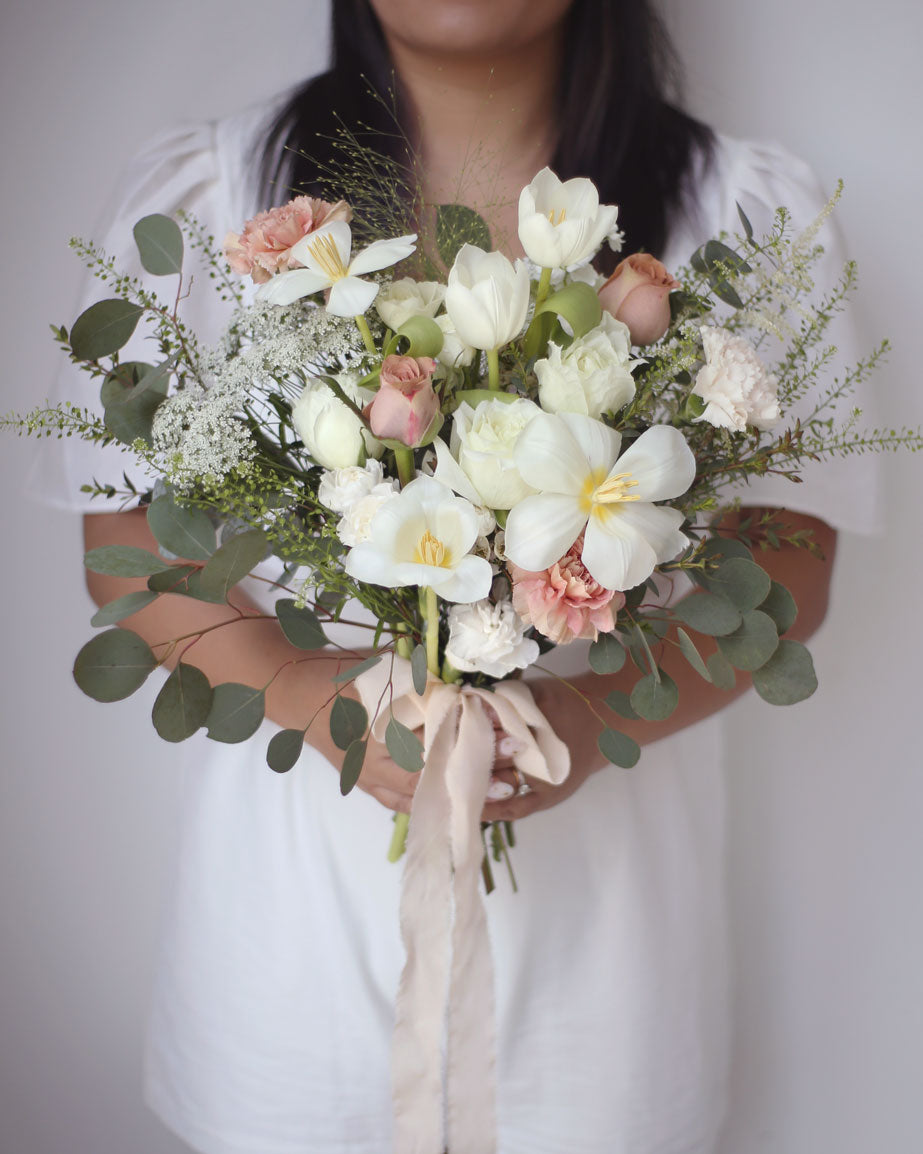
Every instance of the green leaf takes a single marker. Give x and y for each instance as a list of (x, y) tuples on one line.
[(160, 244), (237, 712), (122, 607), (781, 607), (172, 580), (457, 225), (618, 748), (352, 766), (300, 625), (285, 749), (184, 531), (620, 703), (723, 548), (419, 669), (788, 676), (655, 698), (404, 746), (607, 654), (744, 583), (722, 673), (131, 394), (113, 665), (753, 643), (417, 337), (123, 561), (745, 222), (576, 303), (103, 328), (692, 655), (348, 722), (707, 613), (195, 588), (183, 704), (355, 670), (233, 561)]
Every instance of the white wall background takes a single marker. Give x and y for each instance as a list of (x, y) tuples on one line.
[(825, 844)]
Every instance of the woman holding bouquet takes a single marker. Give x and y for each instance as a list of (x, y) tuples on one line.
[(272, 1018)]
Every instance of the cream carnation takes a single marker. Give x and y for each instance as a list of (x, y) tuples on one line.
[(486, 638), (340, 489), (734, 384), (356, 523)]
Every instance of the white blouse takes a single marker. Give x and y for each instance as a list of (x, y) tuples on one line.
[(272, 1013)]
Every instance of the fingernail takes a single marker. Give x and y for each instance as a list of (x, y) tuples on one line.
[(507, 746), (499, 790)]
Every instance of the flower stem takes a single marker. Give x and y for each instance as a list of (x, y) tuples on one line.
[(544, 284), (403, 458), (432, 631), (493, 368), (362, 326), (399, 836)]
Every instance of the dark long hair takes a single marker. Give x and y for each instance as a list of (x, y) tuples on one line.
[(618, 124)]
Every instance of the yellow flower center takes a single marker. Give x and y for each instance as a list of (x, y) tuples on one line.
[(327, 255), (431, 551), (600, 494), (560, 219)]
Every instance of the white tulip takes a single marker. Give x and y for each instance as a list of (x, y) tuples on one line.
[(487, 297), (406, 298), (562, 223), (330, 430), (454, 354)]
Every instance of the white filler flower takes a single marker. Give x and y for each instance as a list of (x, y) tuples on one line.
[(562, 223), (423, 536), (325, 255), (486, 638), (487, 297), (734, 383), (574, 462)]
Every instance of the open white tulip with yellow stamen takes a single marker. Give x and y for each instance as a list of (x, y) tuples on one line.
[(562, 223), (424, 536), (584, 485), (325, 255)]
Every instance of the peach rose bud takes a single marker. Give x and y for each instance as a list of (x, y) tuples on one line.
[(405, 405), (638, 295)]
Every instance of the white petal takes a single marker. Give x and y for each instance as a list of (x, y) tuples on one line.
[(549, 458), (599, 444), (382, 254), (286, 287), (350, 297), (341, 235), (540, 530), (470, 580), (616, 553), (450, 473), (661, 462)]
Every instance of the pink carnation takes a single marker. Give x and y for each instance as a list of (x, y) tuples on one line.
[(264, 247), (564, 602)]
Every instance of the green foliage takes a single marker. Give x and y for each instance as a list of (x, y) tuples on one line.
[(233, 561), (692, 655), (103, 329), (122, 607), (285, 749), (418, 669), (708, 613), (620, 703), (183, 703), (788, 676), (160, 244), (721, 671), (752, 643), (113, 665), (404, 746), (236, 712), (181, 530), (348, 722), (355, 670), (780, 605), (606, 654), (655, 698), (618, 748), (458, 225), (123, 561), (131, 395), (352, 766), (300, 625)]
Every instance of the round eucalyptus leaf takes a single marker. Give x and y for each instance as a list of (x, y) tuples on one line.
[(284, 750), (123, 561), (172, 580), (419, 669), (618, 748), (183, 703), (195, 588), (744, 583), (620, 703), (654, 699), (692, 655), (724, 548), (607, 654), (236, 713), (352, 766), (721, 671), (122, 607), (160, 244), (131, 395), (753, 643), (186, 532), (781, 607), (300, 626), (113, 665), (103, 328), (457, 225), (788, 676), (233, 561), (708, 613), (348, 722), (404, 746)]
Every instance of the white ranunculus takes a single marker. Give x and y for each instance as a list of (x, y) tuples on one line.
[(406, 298), (331, 431), (592, 375), (339, 489), (487, 297), (454, 352), (355, 525), (562, 223), (483, 440), (486, 638), (734, 383), (423, 536)]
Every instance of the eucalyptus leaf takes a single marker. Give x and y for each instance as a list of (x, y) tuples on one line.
[(607, 654), (160, 244), (655, 698), (418, 669), (618, 748), (348, 722), (172, 580), (744, 583), (404, 746), (753, 643), (707, 613), (788, 676), (123, 561), (183, 531), (236, 713), (233, 561), (113, 665), (284, 750), (723, 548), (692, 655), (745, 222), (781, 607), (355, 670), (722, 672), (300, 625), (620, 703), (104, 328), (194, 588), (457, 225), (122, 607), (183, 703), (352, 766)]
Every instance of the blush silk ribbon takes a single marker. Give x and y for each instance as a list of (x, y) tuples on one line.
[(443, 1057)]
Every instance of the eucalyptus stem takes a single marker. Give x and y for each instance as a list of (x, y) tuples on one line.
[(432, 631), (493, 368), (403, 458), (368, 340), (544, 284)]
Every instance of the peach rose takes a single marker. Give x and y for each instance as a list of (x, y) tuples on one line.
[(638, 295), (405, 405), (564, 602), (264, 247)]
